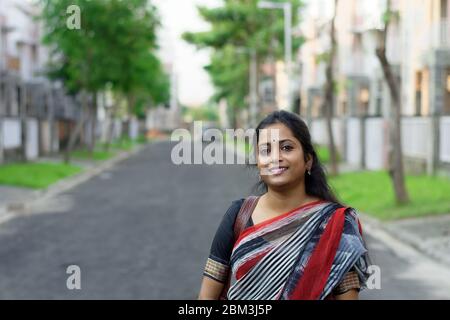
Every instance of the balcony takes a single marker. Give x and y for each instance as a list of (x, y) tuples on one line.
[(440, 35)]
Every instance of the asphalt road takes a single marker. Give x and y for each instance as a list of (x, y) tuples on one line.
[(142, 230)]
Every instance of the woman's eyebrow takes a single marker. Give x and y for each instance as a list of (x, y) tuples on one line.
[(286, 140), (281, 141)]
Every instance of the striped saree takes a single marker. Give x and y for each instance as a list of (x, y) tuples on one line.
[(302, 254)]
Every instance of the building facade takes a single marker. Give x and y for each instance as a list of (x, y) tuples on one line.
[(418, 48)]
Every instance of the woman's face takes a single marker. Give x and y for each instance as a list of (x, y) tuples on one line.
[(280, 157)]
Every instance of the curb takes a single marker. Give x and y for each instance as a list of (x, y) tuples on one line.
[(406, 238), (377, 226), (11, 210)]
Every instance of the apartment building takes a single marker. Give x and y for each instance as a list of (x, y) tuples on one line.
[(418, 50)]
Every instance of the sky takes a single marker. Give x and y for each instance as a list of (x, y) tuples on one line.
[(178, 16)]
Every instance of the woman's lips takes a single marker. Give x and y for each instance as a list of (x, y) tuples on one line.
[(277, 171)]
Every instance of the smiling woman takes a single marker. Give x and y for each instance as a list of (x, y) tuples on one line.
[(295, 240)]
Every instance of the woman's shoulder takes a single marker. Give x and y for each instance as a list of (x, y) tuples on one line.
[(352, 213), (234, 208), (352, 221), (349, 210)]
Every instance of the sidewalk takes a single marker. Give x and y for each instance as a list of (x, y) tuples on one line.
[(16, 200), (429, 235)]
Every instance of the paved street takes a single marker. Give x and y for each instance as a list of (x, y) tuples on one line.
[(142, 230)]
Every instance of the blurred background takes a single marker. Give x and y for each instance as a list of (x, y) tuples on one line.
[(90, 92)]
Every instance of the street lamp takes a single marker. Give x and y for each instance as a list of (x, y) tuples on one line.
[(287, 9)]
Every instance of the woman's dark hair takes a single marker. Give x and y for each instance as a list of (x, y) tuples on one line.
[(315, 184)]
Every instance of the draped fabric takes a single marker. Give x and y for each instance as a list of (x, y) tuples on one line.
[(302, 254)]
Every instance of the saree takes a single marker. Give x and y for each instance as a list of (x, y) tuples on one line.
[(300, 255)]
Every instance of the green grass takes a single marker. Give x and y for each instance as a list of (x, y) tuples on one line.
[(35, 175), (372, 193), (125, 144), (243, 146), (141, 139), (324, 154), (97, 155)]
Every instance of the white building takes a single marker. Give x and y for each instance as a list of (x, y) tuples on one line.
[(418, 48), (29, 104)]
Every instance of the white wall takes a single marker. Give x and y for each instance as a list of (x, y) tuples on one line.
[(416, 134), (32, 147), (354, 148), (11, 133), (133, 129), (45, 136), (445, 140), (376, 146), (319, 131)]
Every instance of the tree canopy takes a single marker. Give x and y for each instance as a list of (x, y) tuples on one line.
[(115, 45), (237, 27)]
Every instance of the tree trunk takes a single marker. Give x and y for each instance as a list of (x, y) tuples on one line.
[(75, 134), (109, 129), (51, 119), (93, 126), (1, 140), (253, 85), (232, 114), (23, 122), (131, 101), (396, 170), (329, 95)]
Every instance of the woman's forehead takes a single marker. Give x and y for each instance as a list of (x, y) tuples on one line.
[(276, 132)]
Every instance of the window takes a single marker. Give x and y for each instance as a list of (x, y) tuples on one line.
[(418, 91), (444, 9), (446, 109), (2, 98), (19, 100), (364, 98), (34, 55), (379, 98)]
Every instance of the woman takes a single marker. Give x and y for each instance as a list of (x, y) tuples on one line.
[(296, 241)]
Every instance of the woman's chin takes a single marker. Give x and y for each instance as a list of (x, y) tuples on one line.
[(278, 182)]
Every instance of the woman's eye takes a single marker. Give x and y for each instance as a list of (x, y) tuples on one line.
[(263, 152), (286, 148)]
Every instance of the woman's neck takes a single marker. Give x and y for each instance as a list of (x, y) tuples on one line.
[(280, 200)]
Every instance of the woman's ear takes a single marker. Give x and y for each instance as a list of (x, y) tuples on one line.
[(309, 161)]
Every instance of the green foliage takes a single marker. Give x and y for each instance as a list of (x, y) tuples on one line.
[(237, 27), (208, 113), (323, 154), (323, 57), (390, 16), (229, 73), (342, 85), (115, 46)]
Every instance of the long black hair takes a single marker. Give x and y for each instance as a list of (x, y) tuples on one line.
[(316, 184)]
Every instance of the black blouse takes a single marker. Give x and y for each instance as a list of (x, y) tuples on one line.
[(223, 242)]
